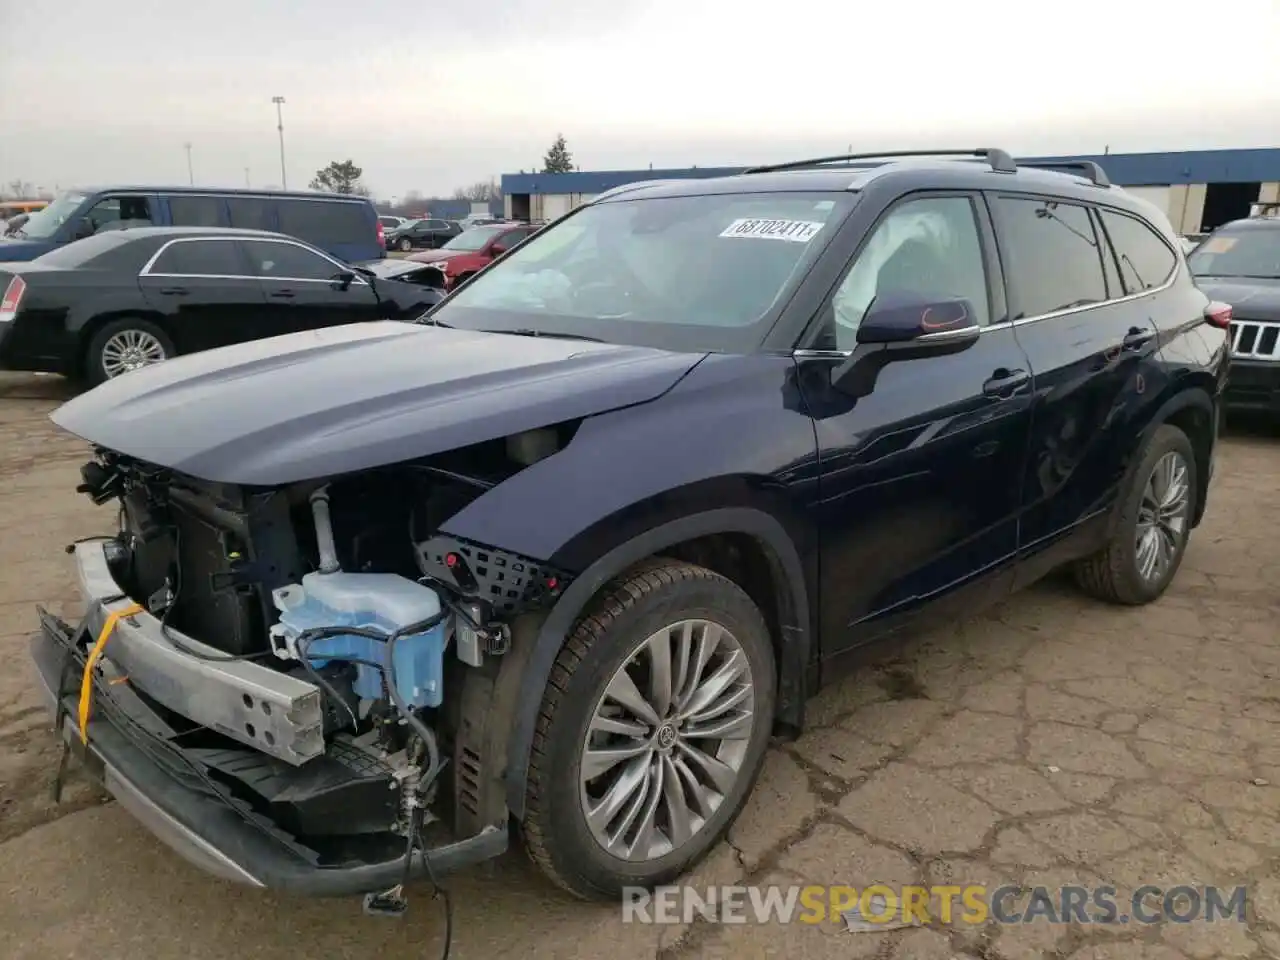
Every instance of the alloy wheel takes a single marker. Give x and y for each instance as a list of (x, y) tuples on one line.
[(667, 740), (1162, 516), (130, 350)]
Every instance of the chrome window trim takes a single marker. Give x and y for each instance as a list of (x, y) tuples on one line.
[(146, 270), (833, 354), (957, 334)]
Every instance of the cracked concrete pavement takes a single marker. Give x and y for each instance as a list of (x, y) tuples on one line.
[(1051, 741)]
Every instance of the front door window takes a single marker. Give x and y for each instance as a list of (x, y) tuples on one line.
[(119, 213)]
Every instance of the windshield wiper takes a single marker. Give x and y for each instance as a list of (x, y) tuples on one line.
[(530, 332)]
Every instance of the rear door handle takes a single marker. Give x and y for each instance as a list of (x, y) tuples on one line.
[(1137, 338), (175, 291), (1005, 383)]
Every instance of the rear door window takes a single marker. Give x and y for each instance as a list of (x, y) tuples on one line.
[(1054, 259), (196, 211), (200, 258), (323, 221), (1145, 260), (250, 213)]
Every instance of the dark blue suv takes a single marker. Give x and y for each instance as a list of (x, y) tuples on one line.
[(580, 540), (346, 227)]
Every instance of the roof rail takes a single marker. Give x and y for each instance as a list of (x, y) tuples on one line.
[(999, 160), (1086, 168), (628, 187)]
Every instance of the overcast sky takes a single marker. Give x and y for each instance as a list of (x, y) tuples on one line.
[(432, 95)]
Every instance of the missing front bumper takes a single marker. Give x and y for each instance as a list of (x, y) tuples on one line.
[(262, 708), (177, 802)]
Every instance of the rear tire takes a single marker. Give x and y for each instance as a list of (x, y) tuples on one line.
[(125, 344), (669, 811), (1154, 526)]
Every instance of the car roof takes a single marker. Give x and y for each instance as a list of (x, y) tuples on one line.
[(216, 192), (960, 173), (139, 233)]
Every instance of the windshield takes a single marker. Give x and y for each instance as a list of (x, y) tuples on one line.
[(474, 239), (45, 223), (686, 272), (1244, 252)]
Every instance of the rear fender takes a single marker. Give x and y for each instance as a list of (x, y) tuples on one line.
[(1188, 405)]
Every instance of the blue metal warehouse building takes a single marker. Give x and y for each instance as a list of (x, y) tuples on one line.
[(1199, 189)]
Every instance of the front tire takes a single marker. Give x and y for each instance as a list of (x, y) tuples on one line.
[(1150, 538), (405, 244), (123, 345), (652, 731)]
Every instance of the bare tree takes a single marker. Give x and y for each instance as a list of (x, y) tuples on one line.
[(481, 190), (19, 189)]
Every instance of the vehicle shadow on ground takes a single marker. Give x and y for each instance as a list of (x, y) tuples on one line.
[(36, 386)]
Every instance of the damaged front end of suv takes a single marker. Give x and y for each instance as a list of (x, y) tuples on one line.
[(289, 668)]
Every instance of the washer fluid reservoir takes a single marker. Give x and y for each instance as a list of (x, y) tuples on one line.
[(385, 602)]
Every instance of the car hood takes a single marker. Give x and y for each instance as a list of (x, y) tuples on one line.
[(435, 256), (348, 398), (16, 249), (1250, 299)]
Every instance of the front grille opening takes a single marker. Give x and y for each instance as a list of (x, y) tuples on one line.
[(1254, 340)]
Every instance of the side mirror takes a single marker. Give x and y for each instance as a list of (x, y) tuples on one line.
[(905, 326), (344, 280), (497, 250), (84, 228)]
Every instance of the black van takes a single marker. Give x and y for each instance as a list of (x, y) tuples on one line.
[(346, 227)]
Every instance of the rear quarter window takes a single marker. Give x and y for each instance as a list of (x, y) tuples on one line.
[(320, 221), (1145, 260)]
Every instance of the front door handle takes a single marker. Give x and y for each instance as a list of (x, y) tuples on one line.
[(1137, 338), (175, 291), (282, 294), (1005, 383)]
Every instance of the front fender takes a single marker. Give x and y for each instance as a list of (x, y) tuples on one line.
[(794, 608), (729, 449)]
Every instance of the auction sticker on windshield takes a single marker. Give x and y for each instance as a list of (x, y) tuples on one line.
[(795, 231)]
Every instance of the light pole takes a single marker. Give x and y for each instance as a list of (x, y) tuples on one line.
[(278, 101), (190, 170), (246, 178)]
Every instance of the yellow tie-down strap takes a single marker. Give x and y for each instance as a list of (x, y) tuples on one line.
[(86, 684)]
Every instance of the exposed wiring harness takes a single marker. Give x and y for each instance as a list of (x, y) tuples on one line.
[(392, 901)]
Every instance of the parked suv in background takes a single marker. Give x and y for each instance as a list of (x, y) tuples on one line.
[(1240, 264), (617, 507), (474, 249), (342, 226), (428, 234)]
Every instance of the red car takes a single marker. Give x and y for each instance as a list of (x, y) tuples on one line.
[(474, 249)]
